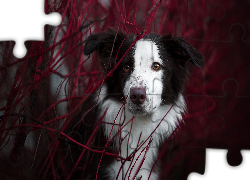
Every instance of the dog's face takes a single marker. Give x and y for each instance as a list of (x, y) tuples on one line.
[(144, 86), (152, 73)]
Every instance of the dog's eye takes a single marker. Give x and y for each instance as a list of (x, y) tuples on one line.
[(156, 66), (126, 68)]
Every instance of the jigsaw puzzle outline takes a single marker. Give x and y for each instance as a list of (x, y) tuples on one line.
[(244, 39)]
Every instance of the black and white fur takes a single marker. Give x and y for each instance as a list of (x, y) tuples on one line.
[(162, 88)]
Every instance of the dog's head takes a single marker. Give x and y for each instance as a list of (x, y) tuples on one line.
[(152, 73)]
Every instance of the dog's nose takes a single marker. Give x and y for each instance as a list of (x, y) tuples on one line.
[(137, 95)]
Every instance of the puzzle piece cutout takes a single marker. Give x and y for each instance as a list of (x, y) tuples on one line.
[(217, 168), (216, 18), (237, 65), (26, 17)]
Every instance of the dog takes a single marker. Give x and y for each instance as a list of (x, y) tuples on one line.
[(137, 107)]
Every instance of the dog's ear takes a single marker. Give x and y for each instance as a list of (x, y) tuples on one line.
[(182, 51), (106, 44)]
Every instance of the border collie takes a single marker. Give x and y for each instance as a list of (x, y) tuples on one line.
[(139, 105)]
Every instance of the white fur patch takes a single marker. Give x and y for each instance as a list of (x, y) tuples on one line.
[(146, 53)]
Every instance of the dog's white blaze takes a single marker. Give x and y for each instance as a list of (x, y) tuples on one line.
[(146, 53)]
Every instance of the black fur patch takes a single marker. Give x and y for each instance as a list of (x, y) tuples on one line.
[(111, 46)]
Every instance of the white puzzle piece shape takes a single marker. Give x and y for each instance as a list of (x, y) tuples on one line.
[(24, 20), (217, 167)]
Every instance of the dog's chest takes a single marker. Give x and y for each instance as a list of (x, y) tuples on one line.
[(138, 164), (138, 150), (136, 140)]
